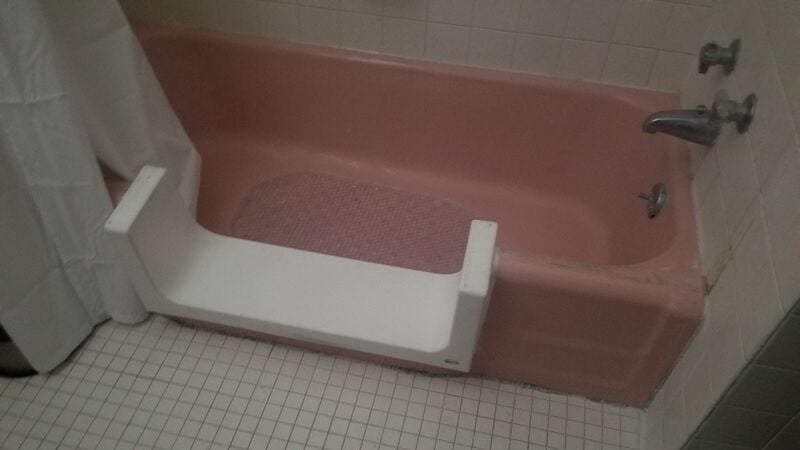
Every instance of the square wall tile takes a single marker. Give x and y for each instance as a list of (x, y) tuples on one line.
[(456, 12), (698, 393), (536, 54), (496, 14), (319, 26), (669, 70), (629, 65), (279, 20), (782, 22), (403, 37), (547, 17), (783, 221), (642, 23), (715, 248), (406, 9), (772, 132), (674, 421), (362, 6), (592, 19), (582, 60), (360, 31), (685, 28), (491, 48), (738, 182), (201, 13), (329, 4), (447, 43), (238, 16), (757, 303), (725, 355)]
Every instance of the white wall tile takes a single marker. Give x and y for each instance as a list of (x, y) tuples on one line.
[(202, 13), (714, 238), (363, 6), (319, 26), (759, 280), (782, 23), (238, 16), (772, 131), (447, 43), (591, 22), (330, 4), (360, 31), (685, 28), (737, 180), (457, 12), (592, 19), (705, 172), (629, 65), (694, 2), (536, 54), (698, 393), (496, 14), (669, 70), (544, 17), (406, 9), (725, 355), (642, 23), (403, 37), (491, 48), (758, 306), (674, 421), (279, 20), (782, 216), (582, 60)]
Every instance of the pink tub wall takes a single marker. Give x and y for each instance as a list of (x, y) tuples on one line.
[(591, 297)]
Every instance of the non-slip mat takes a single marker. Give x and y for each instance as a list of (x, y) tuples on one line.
[(343, 217)]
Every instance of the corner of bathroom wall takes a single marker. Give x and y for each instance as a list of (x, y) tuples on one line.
[(747, 200), (643, 43)]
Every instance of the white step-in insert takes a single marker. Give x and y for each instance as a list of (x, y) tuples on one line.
[(181, 269)]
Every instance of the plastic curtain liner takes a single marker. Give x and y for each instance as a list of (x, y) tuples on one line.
[(75, 87)]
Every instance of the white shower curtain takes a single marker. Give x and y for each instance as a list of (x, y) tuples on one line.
[(75, 87)]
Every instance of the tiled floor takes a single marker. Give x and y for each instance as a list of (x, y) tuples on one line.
[(160, 384)]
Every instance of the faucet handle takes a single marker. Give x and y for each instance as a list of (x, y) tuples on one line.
[(711, 54), (727, 110)]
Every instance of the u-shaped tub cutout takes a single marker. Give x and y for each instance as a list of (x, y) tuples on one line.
[(181, 269)]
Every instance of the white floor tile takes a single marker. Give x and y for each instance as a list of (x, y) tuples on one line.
[(159, 384)]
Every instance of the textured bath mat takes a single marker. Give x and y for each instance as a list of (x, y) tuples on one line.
[(368, 222)]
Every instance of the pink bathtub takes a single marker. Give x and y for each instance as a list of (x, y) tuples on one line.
[(592, 297)]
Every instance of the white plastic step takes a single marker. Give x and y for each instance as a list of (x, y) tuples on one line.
[(181, 269)]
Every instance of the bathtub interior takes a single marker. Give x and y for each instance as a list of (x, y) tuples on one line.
[(517, 156)]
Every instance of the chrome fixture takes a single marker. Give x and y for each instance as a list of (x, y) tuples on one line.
[(727, 110), (655, 199), (712, 54), (693, 125), (701, 125)]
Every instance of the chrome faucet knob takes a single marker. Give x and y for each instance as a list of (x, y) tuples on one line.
[(740, 113), (712, 54), (655, 199)]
